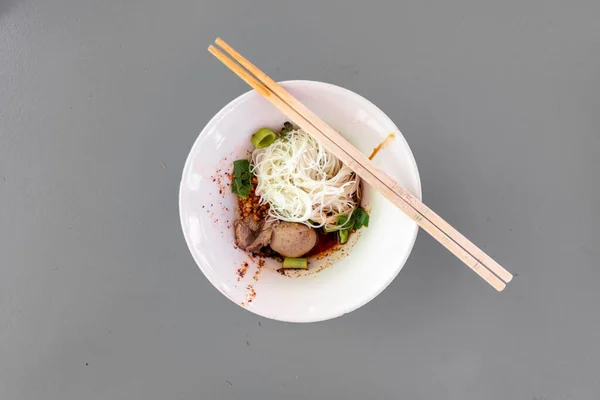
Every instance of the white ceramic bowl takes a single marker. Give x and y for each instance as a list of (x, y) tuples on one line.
[(344, 281)]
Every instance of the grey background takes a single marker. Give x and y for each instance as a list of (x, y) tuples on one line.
[(100, 299)]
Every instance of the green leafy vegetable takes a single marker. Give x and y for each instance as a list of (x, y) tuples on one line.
[(287, 127), (263, 138), (358, 219), (242, 178), (342, 220), (361, 218)]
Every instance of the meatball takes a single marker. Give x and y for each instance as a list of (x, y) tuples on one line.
[(291, 239)]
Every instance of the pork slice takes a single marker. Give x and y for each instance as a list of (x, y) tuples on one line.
[(254, 226), (244, 236), (251, 235)]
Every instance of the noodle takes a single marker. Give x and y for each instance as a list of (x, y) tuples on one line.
[(303, 182)]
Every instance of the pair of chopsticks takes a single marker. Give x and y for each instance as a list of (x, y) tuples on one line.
[(492, 272)]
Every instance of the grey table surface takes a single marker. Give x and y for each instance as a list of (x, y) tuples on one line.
[(100, 298)]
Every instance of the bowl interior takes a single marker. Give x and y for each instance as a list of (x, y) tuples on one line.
[(334, 285)]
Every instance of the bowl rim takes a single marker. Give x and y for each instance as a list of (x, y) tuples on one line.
[(240, 99)]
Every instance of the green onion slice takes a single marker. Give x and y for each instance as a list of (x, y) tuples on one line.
[(263, 138)]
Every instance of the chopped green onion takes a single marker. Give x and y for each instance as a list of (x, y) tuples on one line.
[(343, 235), (263, 138), (295, 263)]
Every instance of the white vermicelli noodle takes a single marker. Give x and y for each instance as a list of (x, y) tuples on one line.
[(303, 182)]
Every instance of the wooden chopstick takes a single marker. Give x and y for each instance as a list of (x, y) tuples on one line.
[(364, 161), (413, 207)]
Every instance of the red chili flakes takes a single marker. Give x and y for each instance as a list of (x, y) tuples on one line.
[(259, 268), (251, 293), (220, 178), (242, 271)]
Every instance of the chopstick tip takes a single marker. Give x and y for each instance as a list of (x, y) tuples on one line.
[(213, 50)]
